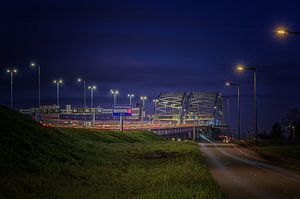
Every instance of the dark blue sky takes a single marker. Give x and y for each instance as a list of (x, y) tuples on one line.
[(146, 47)]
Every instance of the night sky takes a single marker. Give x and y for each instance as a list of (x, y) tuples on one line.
[(146, 47)]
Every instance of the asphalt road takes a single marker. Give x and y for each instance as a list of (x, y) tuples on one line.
[(242, 173)]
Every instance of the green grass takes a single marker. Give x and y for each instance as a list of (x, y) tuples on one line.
[(292, 151), (288, 156), (38, 162)]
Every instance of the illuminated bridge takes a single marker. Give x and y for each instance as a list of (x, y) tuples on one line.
[(177, 110), (186, 107)]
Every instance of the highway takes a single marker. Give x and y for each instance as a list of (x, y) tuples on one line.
[(242, 173)]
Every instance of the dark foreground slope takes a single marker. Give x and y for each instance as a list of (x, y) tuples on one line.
[(38, 162)]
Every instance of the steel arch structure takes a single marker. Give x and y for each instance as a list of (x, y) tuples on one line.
[(204, 107), (170, 105)]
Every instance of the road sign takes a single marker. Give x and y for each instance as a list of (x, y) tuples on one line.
[(122, 110)]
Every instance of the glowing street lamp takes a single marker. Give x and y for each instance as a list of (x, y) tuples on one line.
[(282, 32), (57, 82), (92, 88), (130, 98), (84, 91), (34, 65), (155, 101), (115, 94), (238, 105), (242, 68), (143, 98), (11, 71)]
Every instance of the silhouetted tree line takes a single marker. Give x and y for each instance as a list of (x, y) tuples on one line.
[(286, 131)]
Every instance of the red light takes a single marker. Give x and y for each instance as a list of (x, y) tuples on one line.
[(129, 110)]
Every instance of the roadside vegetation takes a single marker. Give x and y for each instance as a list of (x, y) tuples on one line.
[(39, 162), (288, 156), (282, 155), (286, 132), (282, 144)]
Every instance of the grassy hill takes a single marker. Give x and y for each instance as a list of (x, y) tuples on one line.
[(39, 162)]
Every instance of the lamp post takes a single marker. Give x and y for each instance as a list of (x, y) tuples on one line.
[(242, 68), (84, 91), (293, 131), (238, 106), (228, 111), (92, 88), (143, 98), (39, 81), (155, 103), (11, 71), (57, 82), (130, 98), (115, 94)]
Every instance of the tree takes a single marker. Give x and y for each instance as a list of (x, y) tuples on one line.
[(276, 132), (292, 117), (264, 135), (292, 122)]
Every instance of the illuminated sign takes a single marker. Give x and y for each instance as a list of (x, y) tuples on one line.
[(122, 110)]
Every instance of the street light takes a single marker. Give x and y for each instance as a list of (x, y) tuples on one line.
[(143, 98), (92, 88), (33, 65), (115, 94), (282, 32), (57, 82), (241, 68), (155, 103), (11, 71), (130, 98), (238, 106), (84, 91)]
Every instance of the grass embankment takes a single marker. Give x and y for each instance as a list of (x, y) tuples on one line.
[(288, 156), (38, 162)]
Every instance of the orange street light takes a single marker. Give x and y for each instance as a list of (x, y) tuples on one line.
[(282, 32), (241, 68)]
